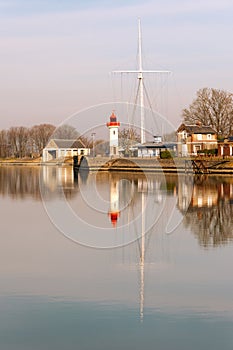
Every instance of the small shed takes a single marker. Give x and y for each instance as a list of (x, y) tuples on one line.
[(59, 149)]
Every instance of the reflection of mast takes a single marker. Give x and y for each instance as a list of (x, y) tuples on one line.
[(114, 202), (142, 260)]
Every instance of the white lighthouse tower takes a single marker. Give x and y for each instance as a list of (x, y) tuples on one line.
[(113, 126)]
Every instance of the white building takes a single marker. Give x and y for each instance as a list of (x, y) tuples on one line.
[(57, 149), (154, 149)]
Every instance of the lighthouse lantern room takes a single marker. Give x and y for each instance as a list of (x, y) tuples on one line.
[(113, 126)]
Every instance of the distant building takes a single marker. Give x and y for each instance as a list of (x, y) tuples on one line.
[(154, 148), (194, 138), (225, 147), (58, 149)]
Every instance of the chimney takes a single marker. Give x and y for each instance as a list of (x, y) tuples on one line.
[(198, 123)]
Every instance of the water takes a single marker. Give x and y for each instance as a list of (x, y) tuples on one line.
[(109, 277)]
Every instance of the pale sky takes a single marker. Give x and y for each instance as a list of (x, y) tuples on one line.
[(56, 55)]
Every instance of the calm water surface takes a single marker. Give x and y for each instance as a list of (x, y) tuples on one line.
[(162, 281)]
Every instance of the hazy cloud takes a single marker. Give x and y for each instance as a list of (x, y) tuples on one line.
[(63, 51)]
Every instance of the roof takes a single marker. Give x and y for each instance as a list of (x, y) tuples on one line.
[(228, 139), (157, 145), (61, 143), (78, 144), (196, 129)]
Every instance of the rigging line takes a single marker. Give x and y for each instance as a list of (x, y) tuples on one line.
[(166, 99), (159, 89), (151, 108), (136, 233), (131, 208), (122, 87), (113, 91), (149, 235), (163, 96), (133, 88), (135, 105), (147, 96)]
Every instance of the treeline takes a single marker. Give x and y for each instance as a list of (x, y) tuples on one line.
[(20, 142)]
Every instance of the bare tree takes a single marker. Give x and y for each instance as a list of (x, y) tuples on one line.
[(22, 139), (22, 142), (13, 141), (66, 132), (128, 137), (88, 142), (40, 135), (213, 108), (18, 141), (171, 137), (4, 147)]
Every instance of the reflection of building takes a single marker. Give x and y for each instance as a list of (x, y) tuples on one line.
[(57, 177), (194, 138), (114, 211), (209, 211), (204, 195), (185, 190), (113, 126), (61, 149), (225, 191), (196, 195)]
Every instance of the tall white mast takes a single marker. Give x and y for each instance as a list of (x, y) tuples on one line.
[(140, 81), (140, 73)]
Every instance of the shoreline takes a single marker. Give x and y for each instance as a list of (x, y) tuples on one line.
[(149, 165)]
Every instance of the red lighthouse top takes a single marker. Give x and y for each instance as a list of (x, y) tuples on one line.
[(113, 121)]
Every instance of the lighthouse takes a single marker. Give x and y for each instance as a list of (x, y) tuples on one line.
[(113, 126)]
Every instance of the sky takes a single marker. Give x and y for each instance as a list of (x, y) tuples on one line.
[(56, 55)]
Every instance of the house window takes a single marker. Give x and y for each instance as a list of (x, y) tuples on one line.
[(199, 136), (209, 136)]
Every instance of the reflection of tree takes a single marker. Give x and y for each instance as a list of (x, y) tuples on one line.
[(21, 182), (211, 224)]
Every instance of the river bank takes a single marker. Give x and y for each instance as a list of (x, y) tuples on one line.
[(214, 165)]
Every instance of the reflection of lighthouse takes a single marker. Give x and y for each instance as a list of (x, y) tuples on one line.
[(113, 126), (114, 202)]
